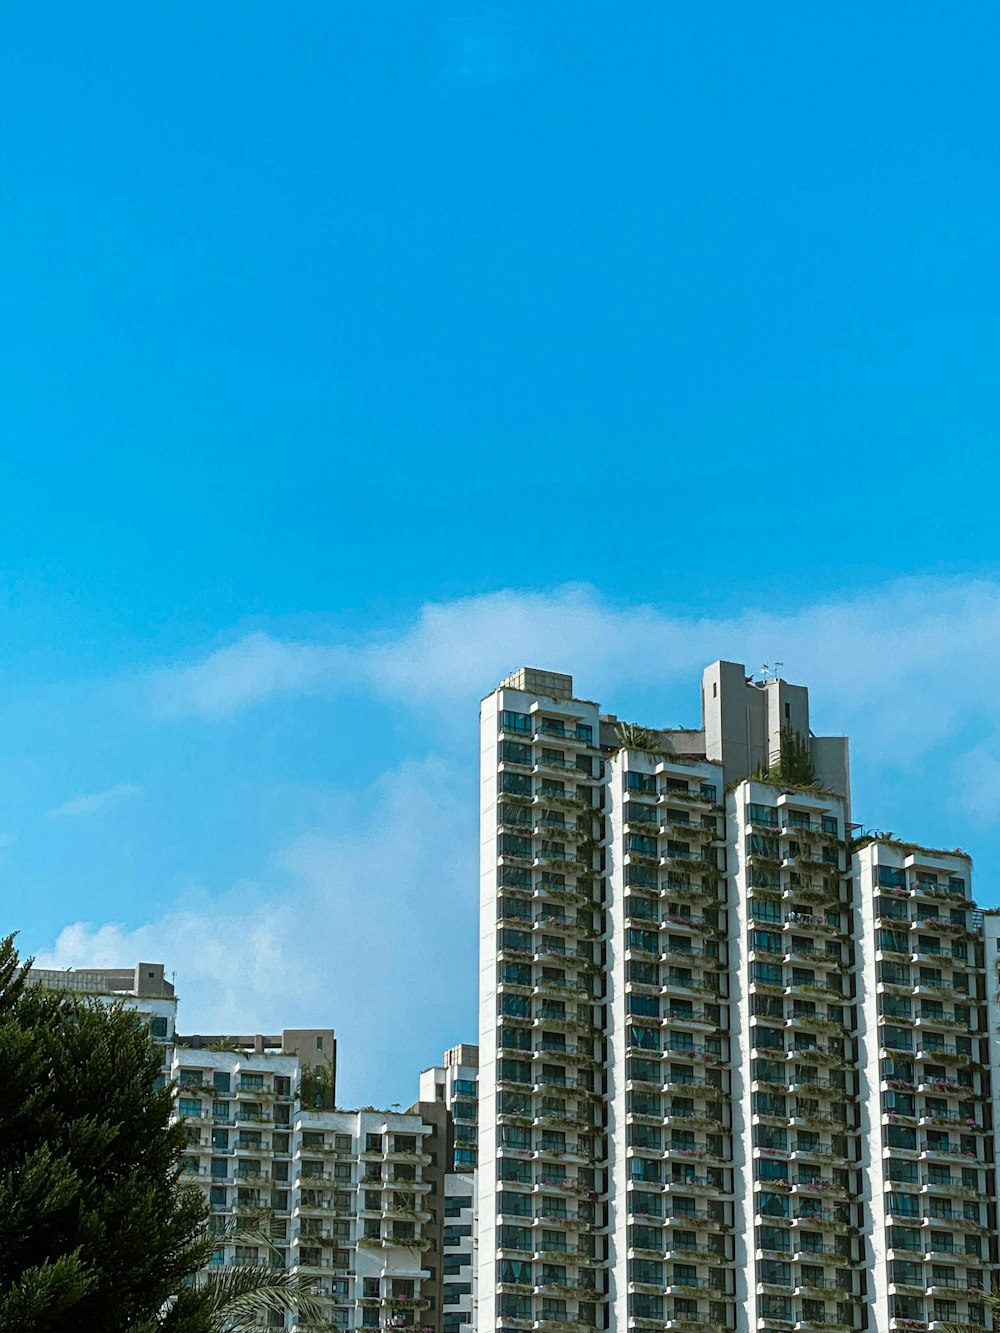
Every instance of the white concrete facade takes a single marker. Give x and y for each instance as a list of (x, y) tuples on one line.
[(799, 1258), (669, 1178), (540, 1095), (459, 1253), (925, 1039)]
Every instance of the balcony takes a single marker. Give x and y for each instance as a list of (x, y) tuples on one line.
[(943, 1051), (808, 921)]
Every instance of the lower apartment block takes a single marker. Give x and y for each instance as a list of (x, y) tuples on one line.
[(354, 1200)]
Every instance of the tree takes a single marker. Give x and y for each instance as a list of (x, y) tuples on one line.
[(98, 1230), (793, 762)]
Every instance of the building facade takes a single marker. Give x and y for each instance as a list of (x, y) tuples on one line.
[(455, 1082), (734, 1056)]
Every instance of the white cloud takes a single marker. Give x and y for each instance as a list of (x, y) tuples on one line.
[(363, 925), (907, 662), (243, 674), (94, 801)]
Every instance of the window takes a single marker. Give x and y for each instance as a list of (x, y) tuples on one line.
[(251, 1082), (518, 723), (890, 877), (188, 1106), (514, 752), (763, 814)]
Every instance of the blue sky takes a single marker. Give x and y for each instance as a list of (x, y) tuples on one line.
[(352, 355)]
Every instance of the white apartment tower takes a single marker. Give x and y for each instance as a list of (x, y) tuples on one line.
[(734, 1066)]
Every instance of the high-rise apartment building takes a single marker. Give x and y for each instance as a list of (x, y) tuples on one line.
[(734, 1056)]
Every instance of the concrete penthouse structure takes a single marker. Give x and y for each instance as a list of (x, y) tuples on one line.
[(734, 1063)]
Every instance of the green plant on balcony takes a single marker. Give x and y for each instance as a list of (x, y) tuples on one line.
[(792, 765), (633, 737), (226, 1044)]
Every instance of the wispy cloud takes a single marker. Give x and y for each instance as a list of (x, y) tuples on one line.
[(246, 673), (935, 643), (910, 667), (91, 802)]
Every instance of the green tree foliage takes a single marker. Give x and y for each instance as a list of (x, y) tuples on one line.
[(793, 764), (316, 1090), (98, 1231)]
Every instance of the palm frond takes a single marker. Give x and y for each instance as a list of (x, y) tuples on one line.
[(240, 1291)]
